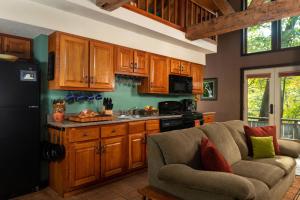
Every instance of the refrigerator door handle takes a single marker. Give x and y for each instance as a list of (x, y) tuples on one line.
[(33, 107)]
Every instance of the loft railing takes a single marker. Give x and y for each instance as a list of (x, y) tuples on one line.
[(290, 128), (178, 14)]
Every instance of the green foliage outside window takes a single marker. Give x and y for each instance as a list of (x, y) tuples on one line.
[(259, 38), (290, 32)]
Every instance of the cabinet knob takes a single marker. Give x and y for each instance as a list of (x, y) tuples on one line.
[(131, 65), (135, 65), (84, 134), (113, 131), (103, 149)]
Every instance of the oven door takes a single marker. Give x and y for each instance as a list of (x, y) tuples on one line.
[(171, 124), (180, 85)]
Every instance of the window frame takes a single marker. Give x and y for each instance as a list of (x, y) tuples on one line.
[(275, 37)]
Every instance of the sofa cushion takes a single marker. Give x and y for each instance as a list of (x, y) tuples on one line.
[(236, 128), (221, 137), (284, 162), (261, 189), (262, 147), (211, 158), (269, 174), (181, 146), (261, 132)]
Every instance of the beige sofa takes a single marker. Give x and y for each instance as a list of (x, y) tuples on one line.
[(174, 165)]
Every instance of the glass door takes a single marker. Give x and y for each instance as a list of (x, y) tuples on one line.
[(272, 97), (259, 97), (288, 99)]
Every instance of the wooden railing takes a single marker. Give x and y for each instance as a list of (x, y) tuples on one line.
[(290, 128), (178, 14)]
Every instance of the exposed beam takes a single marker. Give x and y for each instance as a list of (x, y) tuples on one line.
[(110, 5), (267, 12), (255, 3), (224, 6)]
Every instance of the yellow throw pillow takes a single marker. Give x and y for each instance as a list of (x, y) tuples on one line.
[(263, 147)]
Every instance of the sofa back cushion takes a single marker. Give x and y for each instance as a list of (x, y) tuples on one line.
[(181, 146), (221, 137), (236, 128)]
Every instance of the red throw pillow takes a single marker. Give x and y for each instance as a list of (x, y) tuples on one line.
[(211, 158), (261, 132)]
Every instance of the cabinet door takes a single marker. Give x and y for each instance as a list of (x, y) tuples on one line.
[(101, 66), (137, 150), (197, 72), (175, 67), (18, 47), (84, 163), (113, 156), (74, 62), (185, 68), (124, 60), (159, 76), (1, 44), (141, 66)]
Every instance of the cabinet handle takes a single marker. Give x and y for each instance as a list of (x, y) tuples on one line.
[(98, 151), (113, 131), (131, 65), (103, 149), (84, 134), (86, 79), (92, 79), (135, 65)]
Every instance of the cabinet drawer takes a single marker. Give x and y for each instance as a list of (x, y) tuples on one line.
[(83, 134), (113, 130), (152, 125), (136, 127)]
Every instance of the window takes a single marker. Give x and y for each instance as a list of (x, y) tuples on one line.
[(259, 38), (271, 36), (290, 32)]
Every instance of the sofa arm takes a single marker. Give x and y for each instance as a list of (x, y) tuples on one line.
[(289, 148), (215, 182)]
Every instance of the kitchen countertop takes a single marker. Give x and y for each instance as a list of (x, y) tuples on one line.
[(70, 124)]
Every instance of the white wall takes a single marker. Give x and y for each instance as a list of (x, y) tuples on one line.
[(28, 12)]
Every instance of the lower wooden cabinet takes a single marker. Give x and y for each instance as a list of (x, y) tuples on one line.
[(84, 162), (137, 150), (112, 156)]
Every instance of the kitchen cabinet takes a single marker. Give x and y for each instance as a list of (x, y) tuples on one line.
[(197, 72), (137, 144), (74, 61), (131, 62), (81, 64), (178, 67), (84, 163), (158, 81), (17, 46), (1, 44), (113, 153), (152, 127), (101, 66)]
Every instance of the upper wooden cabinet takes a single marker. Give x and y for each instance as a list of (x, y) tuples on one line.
[(197, 72), (17, 46), (180, 67), (131, 62), (74, 62), (101, 66), (81, 64), (158, 81)]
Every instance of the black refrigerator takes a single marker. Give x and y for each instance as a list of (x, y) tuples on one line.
[(19, 128)]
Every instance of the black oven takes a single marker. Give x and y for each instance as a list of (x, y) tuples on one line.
[(180, 84)]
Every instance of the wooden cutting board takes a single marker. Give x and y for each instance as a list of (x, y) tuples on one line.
[(97, 118)]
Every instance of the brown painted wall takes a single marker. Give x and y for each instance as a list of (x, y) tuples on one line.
[(226, 65)]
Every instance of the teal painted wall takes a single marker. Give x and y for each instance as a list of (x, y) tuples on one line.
[(125, 95)]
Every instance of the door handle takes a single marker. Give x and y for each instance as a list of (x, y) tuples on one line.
[(271, 111)]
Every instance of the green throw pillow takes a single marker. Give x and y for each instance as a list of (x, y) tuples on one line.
[(263, 147)]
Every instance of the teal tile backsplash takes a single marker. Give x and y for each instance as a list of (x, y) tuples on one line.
[(125, 95)]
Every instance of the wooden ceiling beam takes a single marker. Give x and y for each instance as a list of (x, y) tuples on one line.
[(267, 12), (110, 5), (224, 6)]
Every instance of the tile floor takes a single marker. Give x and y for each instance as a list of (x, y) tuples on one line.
[(125, 189)]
